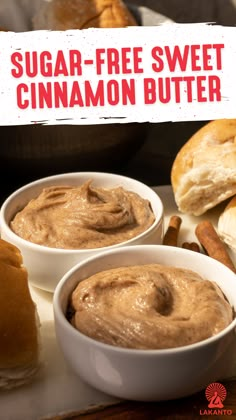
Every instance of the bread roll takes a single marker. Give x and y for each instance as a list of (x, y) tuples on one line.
[(19, 338), (204, 171), (81, 14), (227, 224)]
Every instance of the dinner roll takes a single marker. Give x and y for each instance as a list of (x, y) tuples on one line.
[(204, 171), (19, 324), (227, 224), (81, 14)]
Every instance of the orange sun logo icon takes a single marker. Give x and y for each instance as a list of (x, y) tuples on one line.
[(215, 394)]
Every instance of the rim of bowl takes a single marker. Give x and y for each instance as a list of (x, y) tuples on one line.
[(142, 352), (46, 249)]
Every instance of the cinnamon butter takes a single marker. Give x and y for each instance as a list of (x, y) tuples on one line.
[(149, 307), (75, 217)]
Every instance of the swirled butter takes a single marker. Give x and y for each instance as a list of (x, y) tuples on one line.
[(149, 307), (75, 217)]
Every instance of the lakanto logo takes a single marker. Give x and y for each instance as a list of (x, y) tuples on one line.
[(215, 394)]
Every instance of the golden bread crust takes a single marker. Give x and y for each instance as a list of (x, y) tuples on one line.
[(218, 131), (204, 170), (18, 323), (82, 14)]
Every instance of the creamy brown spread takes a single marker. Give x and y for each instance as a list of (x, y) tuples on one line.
[(149, 307), (74, 217)]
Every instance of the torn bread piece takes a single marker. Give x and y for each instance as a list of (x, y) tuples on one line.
[(204, 171), (19, 321), (227, 224)]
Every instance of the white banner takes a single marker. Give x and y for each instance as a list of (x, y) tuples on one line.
[(173, 72)]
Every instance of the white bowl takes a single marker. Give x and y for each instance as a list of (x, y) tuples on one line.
[(45, 265), (146, 375)]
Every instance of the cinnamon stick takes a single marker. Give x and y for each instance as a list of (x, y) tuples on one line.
[(193, 246), (212, 244), (171, 235)]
